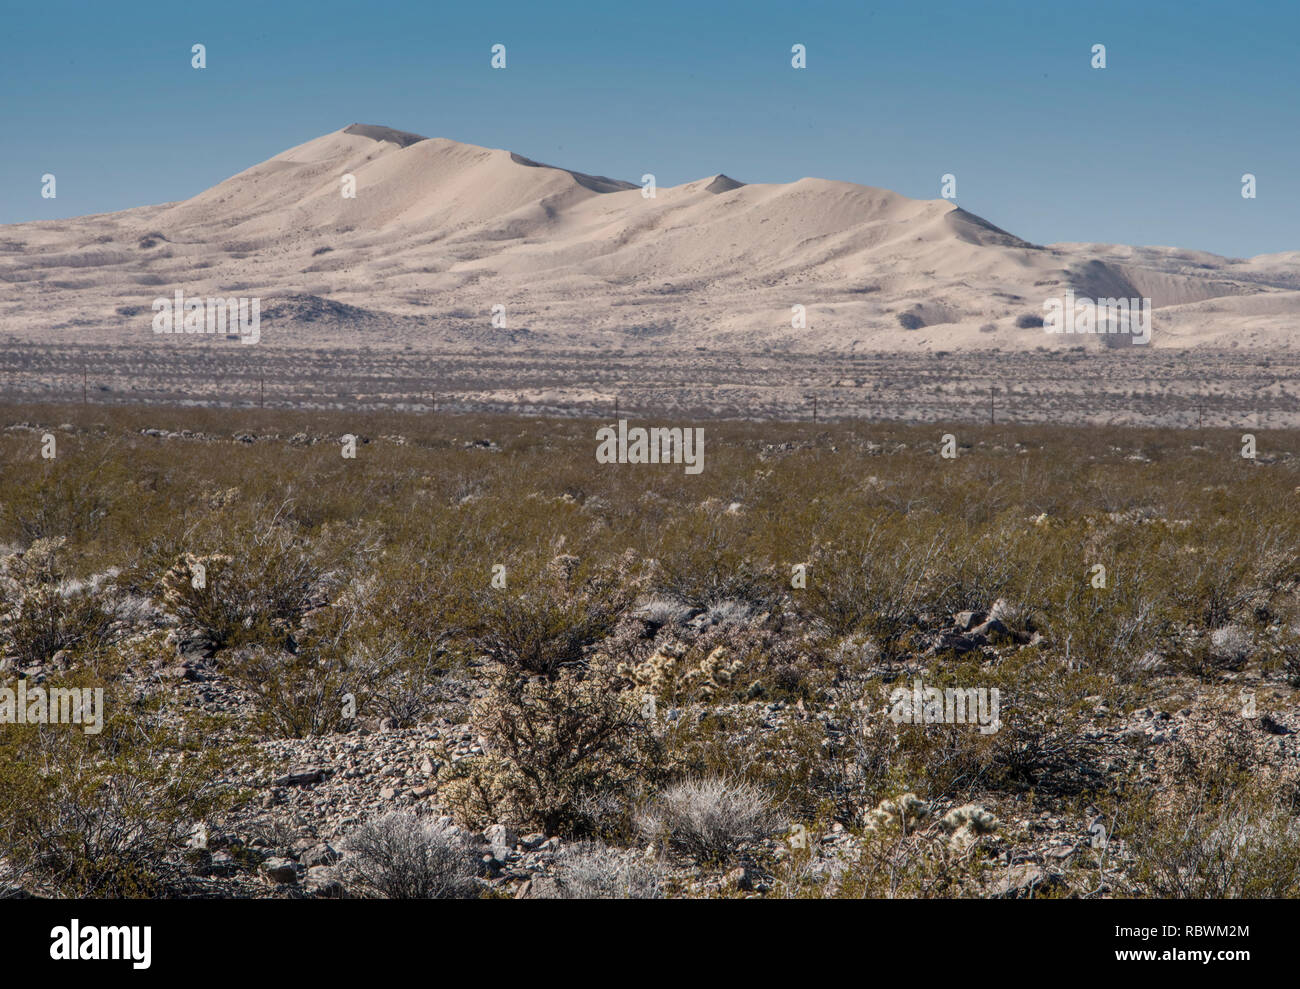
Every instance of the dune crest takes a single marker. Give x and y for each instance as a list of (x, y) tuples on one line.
[(439, 232)]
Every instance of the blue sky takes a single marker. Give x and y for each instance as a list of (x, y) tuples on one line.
[(1149, 150)]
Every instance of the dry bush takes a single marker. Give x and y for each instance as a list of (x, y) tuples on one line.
[(295, 694), (69, 496), (591, 870), (256, 593), (1232, 569), (1202, 849), (48, 621), (402, 630), (1107, 630), (703, 560), (878, 584), (550, 624), (400, 682), (402, 856), (552, 743), (1221, 824), (108, 814), (709, 819)]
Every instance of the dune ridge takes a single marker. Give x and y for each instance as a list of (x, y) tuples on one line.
[(441, 234)]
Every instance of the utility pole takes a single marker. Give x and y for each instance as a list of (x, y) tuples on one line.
[(814, 408), (991, 418), (83, 384), (616, 408), (261, 392)]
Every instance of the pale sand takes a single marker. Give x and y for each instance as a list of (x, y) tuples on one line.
[(440, 232)]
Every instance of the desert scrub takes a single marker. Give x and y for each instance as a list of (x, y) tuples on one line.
[(1233, 570), (254, 594), (68, 496), (552, 745), (1043, 743), (379, 651), (876, 582), (43, 613), (336, 670), (907, 848), (108, 813), (1217, 832), (709, 819), (294, 694), (704, 559), (396, 679), (401, 630), (1221, 823), (1220, 851), (402, 856), (542, 622), (1199, 550), (729, 652), (1107, 630), (592, 870)]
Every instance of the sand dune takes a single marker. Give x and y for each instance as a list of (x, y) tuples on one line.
[(439, 233)]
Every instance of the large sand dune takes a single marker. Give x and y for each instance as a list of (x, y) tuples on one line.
[(440, 232)]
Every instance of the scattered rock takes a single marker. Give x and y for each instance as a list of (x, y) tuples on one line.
[(303, 777), (1023, 881), (318, 855), (502, 840), (324, 882), (281, 870)]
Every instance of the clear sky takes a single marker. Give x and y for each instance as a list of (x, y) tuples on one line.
[(1001, 94)]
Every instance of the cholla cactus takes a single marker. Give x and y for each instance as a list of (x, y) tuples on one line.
[(714, 673), (658, 673), (967, 824), (662, 673), (904, 812), (43, 551), (35, 566), (42, 612), (549, 744), (178, 582)]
